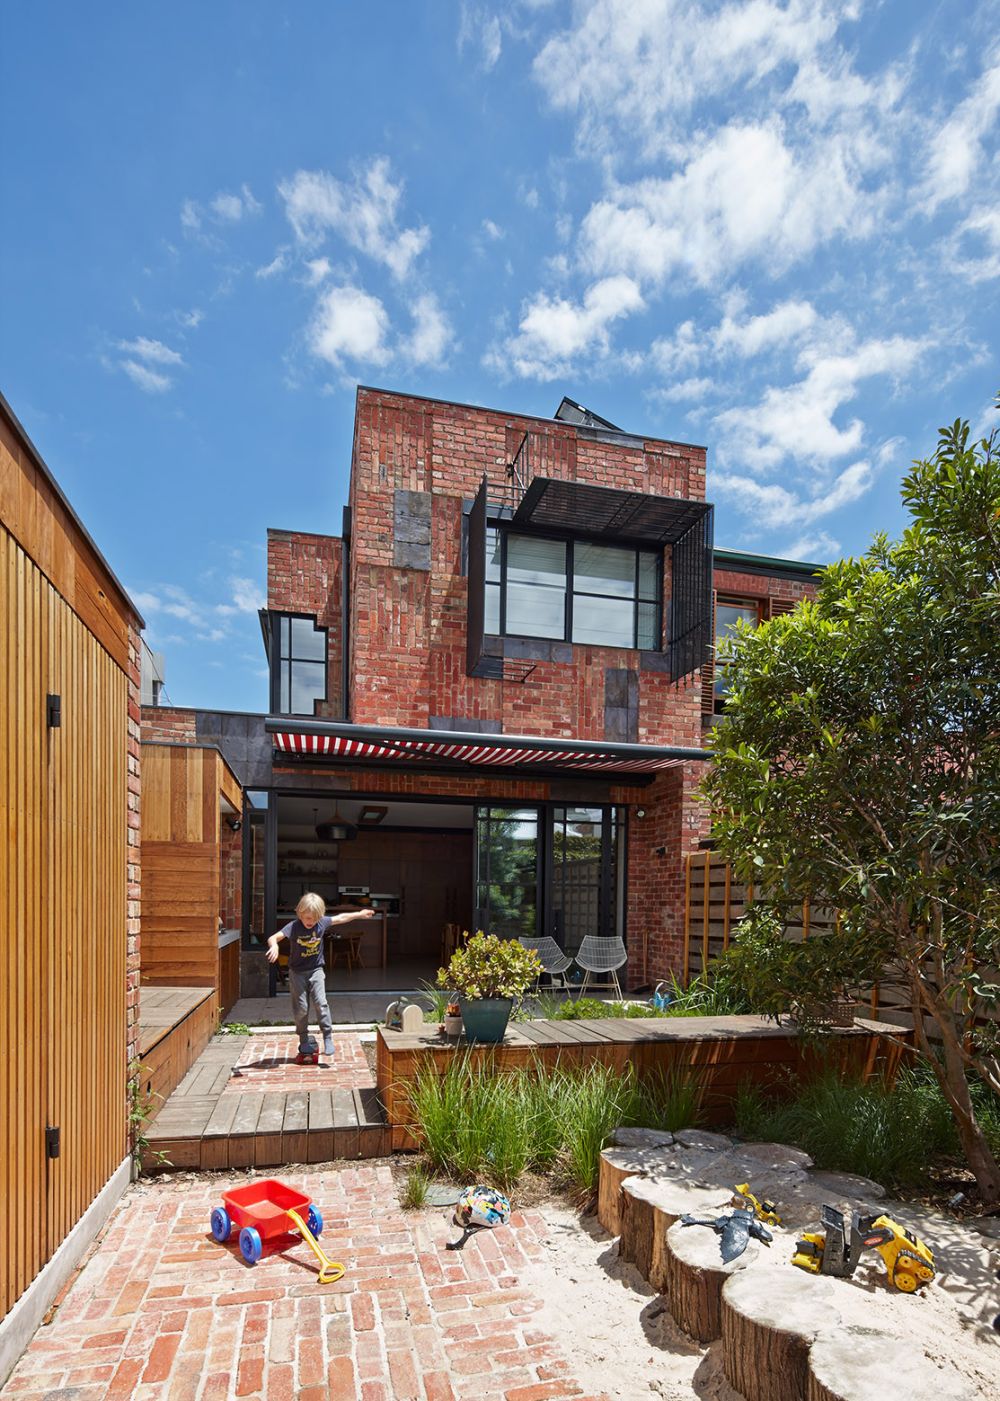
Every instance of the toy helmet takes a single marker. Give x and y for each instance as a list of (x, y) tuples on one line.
[(482, 1206)]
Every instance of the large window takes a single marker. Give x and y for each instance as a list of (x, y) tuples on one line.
[(299, 669), (728, 614), (572, 591)]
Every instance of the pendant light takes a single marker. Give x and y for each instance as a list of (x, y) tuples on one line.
[(336, 829)]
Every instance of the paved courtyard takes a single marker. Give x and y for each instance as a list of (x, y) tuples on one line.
[(267, 1062), (161, 1311)]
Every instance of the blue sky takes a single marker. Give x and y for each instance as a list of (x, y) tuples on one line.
[(772, 228)]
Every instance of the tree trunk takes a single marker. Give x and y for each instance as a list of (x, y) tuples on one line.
[(953, 1080)]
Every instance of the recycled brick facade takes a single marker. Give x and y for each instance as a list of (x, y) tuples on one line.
[(417, 464), (305, 575)]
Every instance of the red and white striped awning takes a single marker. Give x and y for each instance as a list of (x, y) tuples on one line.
[(332, 740)]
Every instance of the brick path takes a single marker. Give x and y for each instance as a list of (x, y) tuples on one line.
[(161, 1311), (268, 1063)]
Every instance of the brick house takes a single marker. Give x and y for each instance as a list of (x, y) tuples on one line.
[(489, 692)]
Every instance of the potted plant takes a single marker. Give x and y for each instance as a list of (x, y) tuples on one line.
[(488, 973)]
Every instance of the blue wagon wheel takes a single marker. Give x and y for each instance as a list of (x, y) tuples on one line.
[(250, 1246), (221, 1224), (314, 1220)]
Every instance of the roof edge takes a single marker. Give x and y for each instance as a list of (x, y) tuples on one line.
[(47, 473)]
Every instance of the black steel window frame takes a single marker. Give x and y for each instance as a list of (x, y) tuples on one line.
[(570, 541), (612, 892), (278, 706), (729, 601)]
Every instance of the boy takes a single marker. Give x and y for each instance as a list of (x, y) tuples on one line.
[(306, 935)]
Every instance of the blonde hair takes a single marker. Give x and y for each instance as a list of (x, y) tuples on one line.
[(312, 904)]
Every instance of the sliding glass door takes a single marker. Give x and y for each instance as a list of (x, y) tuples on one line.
[(508, 858), (548, 869)]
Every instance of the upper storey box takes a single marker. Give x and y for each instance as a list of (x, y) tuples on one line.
[(490, 548)]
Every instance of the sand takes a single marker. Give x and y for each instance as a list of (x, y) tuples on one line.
[(621, 1338)]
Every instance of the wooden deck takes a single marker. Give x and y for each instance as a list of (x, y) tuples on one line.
[(175, 1026), (207, 1123), (724, 1052)]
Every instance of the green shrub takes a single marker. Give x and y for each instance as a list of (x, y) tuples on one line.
[(886, 1132), (474, 1122), (414, 1192)]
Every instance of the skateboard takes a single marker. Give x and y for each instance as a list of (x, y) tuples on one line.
[(308, 1052)]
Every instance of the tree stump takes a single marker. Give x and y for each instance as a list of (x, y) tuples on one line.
[(617, 1164), (649, 1207), (859, 1364), (694, 1275), (769, 1322)]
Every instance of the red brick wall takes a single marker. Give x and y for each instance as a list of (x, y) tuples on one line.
[(133, 856), (305, 575), (168, 724), (408, 626), (230, 875), (735, 584)]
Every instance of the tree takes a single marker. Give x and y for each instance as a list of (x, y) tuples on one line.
[(858, 763)]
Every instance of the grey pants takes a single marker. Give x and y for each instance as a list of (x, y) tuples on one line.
[(306, 988)]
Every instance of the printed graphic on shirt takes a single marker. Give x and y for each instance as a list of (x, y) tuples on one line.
[(309, 943)]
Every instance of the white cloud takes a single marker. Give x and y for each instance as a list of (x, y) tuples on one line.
[(317, 270), (797, 421), (973, 248), (146, 363), (230, 209), (479, 29), (277, 265), (957, 150), (788, 321), (639, 68), (151, 381), (192, 319), (814, 547), (492, 230), (207, 620), (432, 332), (553, 329), (363, 212), (772, 505), (349, 323), (685, 389), (151, 351), (743, 196), (223, 208)]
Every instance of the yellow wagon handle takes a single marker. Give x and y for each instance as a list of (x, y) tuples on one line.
[(329, 1270)]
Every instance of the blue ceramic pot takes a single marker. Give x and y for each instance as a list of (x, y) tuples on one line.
[(485, 1018)]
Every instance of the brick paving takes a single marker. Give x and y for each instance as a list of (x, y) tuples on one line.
[(160, 1312), (268, 1063)]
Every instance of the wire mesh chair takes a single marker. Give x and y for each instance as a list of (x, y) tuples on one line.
[(601, 955), (554, 961)]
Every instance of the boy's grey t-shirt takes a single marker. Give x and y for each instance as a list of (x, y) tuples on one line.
[(305, 946)]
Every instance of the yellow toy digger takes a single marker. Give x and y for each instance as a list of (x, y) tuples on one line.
[(836, 1250), (763, 1209)]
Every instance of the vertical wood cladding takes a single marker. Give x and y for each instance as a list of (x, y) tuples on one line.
[(183, 854), (68, 880)]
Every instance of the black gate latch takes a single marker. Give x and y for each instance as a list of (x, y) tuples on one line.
[(53, 711), (52, 1142)]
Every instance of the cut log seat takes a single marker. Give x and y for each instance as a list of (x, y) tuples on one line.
[(859, 1364), (694, 1275), (769, 1322)]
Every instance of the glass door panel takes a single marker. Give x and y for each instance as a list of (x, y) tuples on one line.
[(507, 852), (579, 880)]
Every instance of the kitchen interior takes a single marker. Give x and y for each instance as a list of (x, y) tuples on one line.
[(409, 861)]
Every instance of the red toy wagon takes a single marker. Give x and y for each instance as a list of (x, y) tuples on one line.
[(267, 1209)]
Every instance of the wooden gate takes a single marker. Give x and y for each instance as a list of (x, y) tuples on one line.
[(63, 897)]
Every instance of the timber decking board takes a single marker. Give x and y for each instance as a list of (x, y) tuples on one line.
[(723, 1052)]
